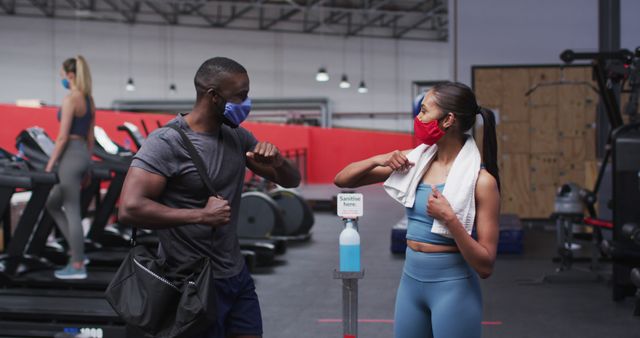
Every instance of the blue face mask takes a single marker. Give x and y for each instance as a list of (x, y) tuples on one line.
[(235, 113), (65, 83)]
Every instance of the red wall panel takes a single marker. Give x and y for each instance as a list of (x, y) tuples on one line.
[(328, 150)]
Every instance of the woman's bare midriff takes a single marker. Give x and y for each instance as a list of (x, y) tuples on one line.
[(430, 248)]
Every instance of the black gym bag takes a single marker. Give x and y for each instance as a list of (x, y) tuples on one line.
[(162, 303)]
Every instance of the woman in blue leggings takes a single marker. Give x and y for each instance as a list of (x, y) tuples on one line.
[(439, 294)]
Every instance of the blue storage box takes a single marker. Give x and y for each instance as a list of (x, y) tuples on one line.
[(399, 237), (511, 235)]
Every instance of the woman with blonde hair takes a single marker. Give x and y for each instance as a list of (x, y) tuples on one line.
[(72, 157)]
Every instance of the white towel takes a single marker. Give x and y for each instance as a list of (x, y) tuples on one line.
[(459, 187)]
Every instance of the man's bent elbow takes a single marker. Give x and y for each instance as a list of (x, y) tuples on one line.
[(291, 182), (126, 212)]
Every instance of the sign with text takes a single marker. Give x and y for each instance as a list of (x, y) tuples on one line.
[(350, 205)]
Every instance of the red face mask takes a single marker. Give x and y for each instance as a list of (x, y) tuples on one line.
[(428, 133)]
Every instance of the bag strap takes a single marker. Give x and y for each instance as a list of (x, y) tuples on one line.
[(196, 158), (197, 161)]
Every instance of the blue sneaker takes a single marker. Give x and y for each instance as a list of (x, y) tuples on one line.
[(68, 272)]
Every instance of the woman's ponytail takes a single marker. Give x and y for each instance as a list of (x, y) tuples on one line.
[(490, 143), (83, 76)]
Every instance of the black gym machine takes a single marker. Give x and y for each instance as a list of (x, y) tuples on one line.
[(27, 261), (47, 311), (612, 70)]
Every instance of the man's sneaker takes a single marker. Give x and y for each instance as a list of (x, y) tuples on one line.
[(68, 272)]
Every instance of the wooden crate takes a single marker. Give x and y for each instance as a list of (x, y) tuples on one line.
[(546, 138), (543, 95), (544, 169), (515, 183), (590, 174), (590, 145), (488, 87), (575, 175), (513, 138), (515, 105), (542, 200), (572, 152), (543, 122)]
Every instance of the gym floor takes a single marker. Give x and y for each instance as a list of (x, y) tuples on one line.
[(299, 298)]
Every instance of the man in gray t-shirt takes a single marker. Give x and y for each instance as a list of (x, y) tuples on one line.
[(164, 191)]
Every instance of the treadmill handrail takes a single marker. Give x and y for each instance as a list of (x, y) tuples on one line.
[(36, 177), (15, 181)]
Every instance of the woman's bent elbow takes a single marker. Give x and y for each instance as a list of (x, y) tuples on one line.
[(340, 182), (485, 272)]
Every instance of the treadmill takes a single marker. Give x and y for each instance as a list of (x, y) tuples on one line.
[(45, 313), (118, 160), (36, 145), (134, 133), (23, 263)]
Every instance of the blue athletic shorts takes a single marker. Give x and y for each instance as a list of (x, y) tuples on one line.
[(238, 308)]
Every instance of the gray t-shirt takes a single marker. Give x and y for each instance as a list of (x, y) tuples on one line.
[(223, 153)]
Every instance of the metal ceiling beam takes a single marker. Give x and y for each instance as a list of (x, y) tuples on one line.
[(429, 14), (47, 7), (332, 19), (80, 5), (186, 8), (129, 12), (365, 25), (374, 5), (73, 4), (239, 14), (235, 14), (391, 19), (288, 14), (170, 17), (284, 15), (8, 6), (422, 3), (207, 18), (307, 13), (321, 7), (150, 22)]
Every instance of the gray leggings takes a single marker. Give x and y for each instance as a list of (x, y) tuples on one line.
[(73, 165)]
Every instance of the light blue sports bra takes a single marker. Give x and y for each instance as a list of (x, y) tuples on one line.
[(420, 223)]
